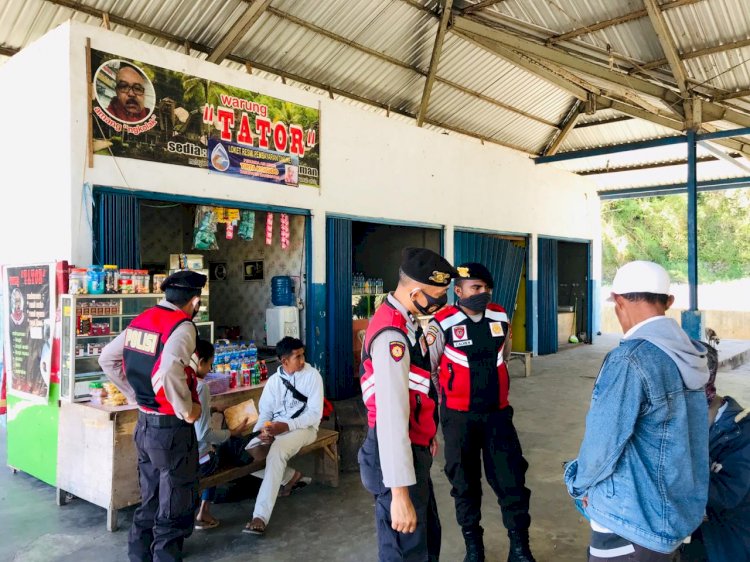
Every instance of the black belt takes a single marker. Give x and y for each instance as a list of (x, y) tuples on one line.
[(155, 420)]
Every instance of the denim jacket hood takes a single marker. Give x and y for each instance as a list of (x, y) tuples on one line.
[(643, 463)]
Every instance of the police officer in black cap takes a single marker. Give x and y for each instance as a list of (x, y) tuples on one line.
[(148, 361), (396, 456), (469, 346)]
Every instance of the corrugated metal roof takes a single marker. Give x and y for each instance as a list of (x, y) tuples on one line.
[(380, 50)]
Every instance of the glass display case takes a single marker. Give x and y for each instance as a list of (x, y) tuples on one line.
[(89, 322)]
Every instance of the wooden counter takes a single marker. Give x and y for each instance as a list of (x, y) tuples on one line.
[(96, 456)]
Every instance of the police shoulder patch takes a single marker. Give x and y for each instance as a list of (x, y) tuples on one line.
[(430, 338), (397, 350)]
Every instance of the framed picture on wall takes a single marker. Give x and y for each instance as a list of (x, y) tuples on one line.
[(217, 271), (253, 270)]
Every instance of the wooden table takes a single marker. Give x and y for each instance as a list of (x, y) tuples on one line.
[(96, 456)]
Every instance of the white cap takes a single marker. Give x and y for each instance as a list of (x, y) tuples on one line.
[(641, 277)]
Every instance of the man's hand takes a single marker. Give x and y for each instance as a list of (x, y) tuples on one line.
[(240, 429), (195, 413), (277, 428), (403, 515), (434, 447), (585, 501)]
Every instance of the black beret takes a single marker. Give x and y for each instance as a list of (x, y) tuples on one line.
[(184, 280), (427, 267), (473, 270)]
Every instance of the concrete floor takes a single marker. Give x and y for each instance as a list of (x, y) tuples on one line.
[(324, 524)]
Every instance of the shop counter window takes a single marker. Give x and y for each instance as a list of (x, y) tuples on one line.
[(89, 322)]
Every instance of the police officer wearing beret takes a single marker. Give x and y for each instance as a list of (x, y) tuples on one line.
[(148, 361), (469, 346), (396, 456)]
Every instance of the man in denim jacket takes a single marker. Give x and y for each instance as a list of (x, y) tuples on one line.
[(642, 471)]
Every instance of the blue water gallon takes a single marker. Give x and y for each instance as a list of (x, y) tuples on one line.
[(282, 290)]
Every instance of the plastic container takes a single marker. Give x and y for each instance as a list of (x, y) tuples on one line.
[(111, 279), (97, 392), (158, 280), (95, 280), (126, 282), (282, 290), (78, 282), (141, 281)]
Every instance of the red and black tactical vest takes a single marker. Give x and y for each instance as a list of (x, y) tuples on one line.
[(144, 342), (422, 393), (473, 374)]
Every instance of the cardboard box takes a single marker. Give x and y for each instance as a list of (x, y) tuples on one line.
[(185, 261)]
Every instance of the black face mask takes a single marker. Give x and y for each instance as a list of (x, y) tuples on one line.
[(433, 304), (476, 302), (196, 310)]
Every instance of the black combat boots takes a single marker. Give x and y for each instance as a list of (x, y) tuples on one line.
[(474, 544), (519, 546)]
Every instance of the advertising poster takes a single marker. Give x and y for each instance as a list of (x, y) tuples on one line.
[(29, 301), (254, 163), (147, 112)]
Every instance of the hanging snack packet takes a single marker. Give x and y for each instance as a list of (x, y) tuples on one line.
[(204, 235), (246, 229)]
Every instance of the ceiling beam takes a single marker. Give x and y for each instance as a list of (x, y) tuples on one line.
[(392, 60), (711, 111), (437, 49), (638, 14), (617, 119), (707, 145), (566, 126), (666, 40), (480, 6), (697, 53), (238, 30), (7, 51), (733, 95), (647, 166)]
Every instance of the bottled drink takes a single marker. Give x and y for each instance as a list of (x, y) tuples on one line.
[(252, 353), (263, 371)]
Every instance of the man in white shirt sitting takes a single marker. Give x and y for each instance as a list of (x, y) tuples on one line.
[(290, 409)]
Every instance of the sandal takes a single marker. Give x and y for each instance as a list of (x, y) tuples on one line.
[(301, 483), (255, 527), (204, 525)]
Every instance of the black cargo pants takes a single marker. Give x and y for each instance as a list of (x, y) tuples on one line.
[(471, 438), (168, 474)]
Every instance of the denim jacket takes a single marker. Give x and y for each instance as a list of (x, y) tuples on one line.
[(726, 533), (643, 463)]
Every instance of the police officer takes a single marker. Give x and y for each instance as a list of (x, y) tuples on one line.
[(469, 345), (396, 456), (153, 352)]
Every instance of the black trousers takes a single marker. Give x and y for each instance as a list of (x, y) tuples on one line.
[(423, 545), (168, 476), (472, 438)]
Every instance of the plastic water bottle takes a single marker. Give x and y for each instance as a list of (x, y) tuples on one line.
[(252, 353)]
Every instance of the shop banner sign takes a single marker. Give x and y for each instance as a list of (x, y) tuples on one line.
[(147, 112), (254, 163), (29, 301)]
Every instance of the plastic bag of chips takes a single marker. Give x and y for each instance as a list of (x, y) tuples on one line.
[(204, 235)]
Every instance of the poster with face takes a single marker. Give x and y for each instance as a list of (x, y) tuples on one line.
[(29, 299)]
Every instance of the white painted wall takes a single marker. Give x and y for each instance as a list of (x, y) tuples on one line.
[(370, 166), (35, 152)]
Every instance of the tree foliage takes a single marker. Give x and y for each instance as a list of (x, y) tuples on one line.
[(655, 229)]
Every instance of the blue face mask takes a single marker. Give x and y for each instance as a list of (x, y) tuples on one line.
[(477, 302)]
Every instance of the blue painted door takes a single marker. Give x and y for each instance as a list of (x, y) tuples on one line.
[(547, 296)]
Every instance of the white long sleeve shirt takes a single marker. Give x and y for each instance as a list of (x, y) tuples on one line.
[(278, 404)]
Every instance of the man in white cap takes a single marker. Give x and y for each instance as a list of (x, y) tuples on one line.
[(642, 470)]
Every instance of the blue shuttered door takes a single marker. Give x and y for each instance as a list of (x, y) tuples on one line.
[(339, 380), (547, 288), (503, 258), (117, 230)]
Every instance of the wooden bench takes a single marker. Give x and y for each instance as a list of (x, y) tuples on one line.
[(525, 357), (326, 463)]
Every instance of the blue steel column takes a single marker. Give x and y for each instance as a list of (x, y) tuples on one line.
[(692, 319), (692, 207)]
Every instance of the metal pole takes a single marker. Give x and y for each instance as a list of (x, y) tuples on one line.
[(692, 206)]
